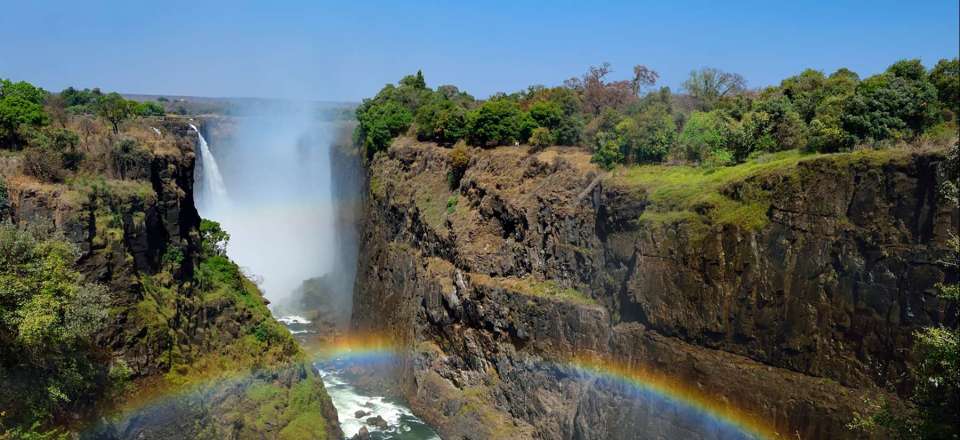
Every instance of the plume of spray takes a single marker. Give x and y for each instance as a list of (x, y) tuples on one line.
[(275, 160)]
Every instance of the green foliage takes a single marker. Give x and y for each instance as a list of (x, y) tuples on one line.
[(115, 109), (213, 239), (149, 108), (80, 101), (773, 125), (894, 105), (498, 121), (21, 104), (704, 134), (805, 91), (541, 138), (48, 317), (945, 76), (441, 120), (607, 152), (648, 136), (379, 123)]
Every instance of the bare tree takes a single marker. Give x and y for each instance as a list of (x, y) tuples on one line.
[(708, 85), (643, 77)]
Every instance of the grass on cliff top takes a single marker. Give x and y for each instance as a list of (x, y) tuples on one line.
[(549, 289), (688, 194)]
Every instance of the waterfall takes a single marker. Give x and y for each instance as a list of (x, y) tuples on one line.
[(212, 193)]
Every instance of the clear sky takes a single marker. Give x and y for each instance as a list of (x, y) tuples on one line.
[(347, 50)]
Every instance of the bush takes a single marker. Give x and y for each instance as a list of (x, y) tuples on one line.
[(149, 108), (459, 162), (49, 359), (541, 138), (607, 151), (647, 137), (704, 134), (498, 121), (380, 123), (891, 106), (4, 200), (44, 164), (21, 104), (213, 239)]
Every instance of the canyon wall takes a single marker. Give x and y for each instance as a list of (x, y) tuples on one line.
[(494, 285)]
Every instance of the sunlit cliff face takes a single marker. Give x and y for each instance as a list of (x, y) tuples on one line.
[(278, 209)]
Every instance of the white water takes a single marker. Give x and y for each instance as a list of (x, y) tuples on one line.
[(213, 192), (401, 423)]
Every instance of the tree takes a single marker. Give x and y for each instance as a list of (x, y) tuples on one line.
[(380, 123), (115, 109), (498, 122), (708, 85), (643, 77), (541, 138), (606, 151), (705, 134), (891, 105), (21, 104), (213, 239), (805, 92), (149, 108), (945, 76), (773, 125), (598, 94), (648, 136)]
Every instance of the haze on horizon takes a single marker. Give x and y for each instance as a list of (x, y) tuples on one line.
[(336, 51)]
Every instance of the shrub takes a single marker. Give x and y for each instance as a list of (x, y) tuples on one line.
[(607, 151), (149, 108), (648, 136), (4, 200), (49, 360), (704, 133), (44, 164), (541, 138), (498, 121), (380, 123), (891, 106), (459, 162), (20, 104), (213, 239)]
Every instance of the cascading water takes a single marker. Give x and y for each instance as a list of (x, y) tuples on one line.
[(285, 219), (211, 192)]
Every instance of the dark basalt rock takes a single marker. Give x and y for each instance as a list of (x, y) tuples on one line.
[(797, 321)]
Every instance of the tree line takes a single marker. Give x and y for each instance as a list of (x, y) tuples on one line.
[(715, 121)]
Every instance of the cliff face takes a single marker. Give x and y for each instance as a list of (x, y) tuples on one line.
[(205, 358), (792, 313)]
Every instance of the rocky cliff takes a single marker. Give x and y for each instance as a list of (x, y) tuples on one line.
[(201, 352), (785, 290)]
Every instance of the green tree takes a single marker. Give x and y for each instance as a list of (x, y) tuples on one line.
[(21, 104), (704, 135), (805, 92), (891, 105), (213, 239), (648, 136), (115, 109), (773, 125), (606, 150), (149, 108), (945, 76), (498, 121), (49, 363), (380, 123), (541, 138)]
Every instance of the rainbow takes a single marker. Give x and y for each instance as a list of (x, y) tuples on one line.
[(374, 349), (671, 390), (665, 388)]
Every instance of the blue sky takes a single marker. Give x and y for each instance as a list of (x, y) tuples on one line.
[(348, 50)]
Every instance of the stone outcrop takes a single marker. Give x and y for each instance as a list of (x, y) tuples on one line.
[(498, 284)]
